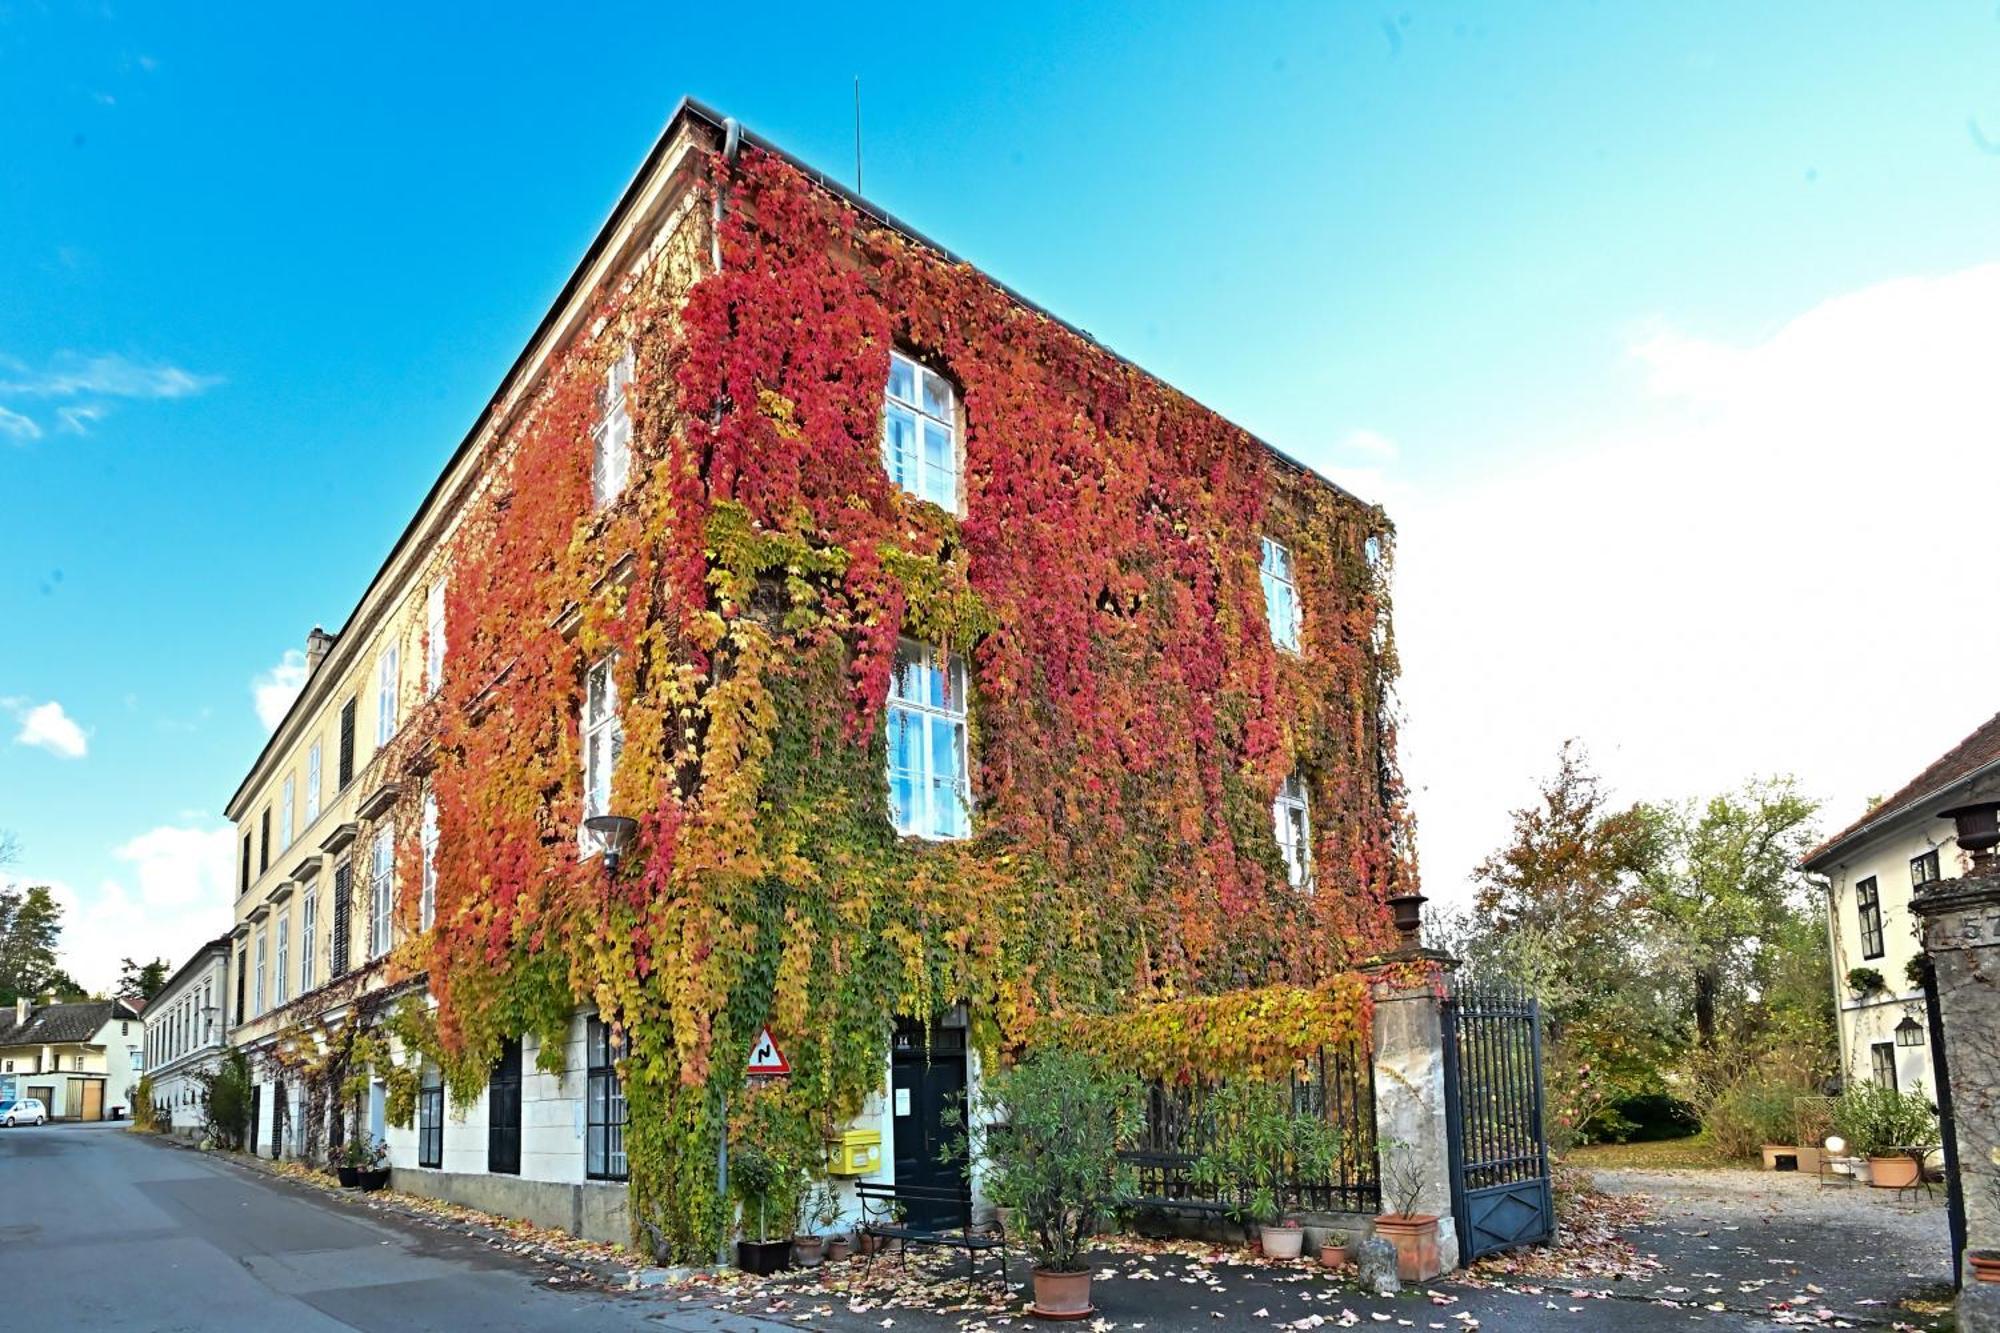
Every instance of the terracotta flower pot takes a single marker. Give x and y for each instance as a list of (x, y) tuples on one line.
[(1281, 1241), (807, 1251), (1062, 1295), (1334, 1256), (1416, 1240), (1894, 1172), (838, 1248), (1985, 1264)]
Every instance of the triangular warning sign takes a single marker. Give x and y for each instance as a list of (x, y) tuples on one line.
[(766, 1058)]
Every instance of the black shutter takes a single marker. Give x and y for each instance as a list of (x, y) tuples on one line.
[(245, 886), (343, 876), (346, 744), (503, 1112), (241, 958), (264, 856)]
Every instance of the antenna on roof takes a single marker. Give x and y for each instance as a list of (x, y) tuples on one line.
[(857, 134)]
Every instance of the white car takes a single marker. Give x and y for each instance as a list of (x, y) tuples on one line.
[(25, 1111)]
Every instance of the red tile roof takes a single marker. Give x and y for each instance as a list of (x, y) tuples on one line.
[(1979, 750)]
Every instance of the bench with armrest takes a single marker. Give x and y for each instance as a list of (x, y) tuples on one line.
[(886, 1211)]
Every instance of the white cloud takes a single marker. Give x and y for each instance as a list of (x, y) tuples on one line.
[(77, 420), (48, 727), (1777, 564), (14, 426), (1370, 444), (71, 373), (275, 689), (179, 899)]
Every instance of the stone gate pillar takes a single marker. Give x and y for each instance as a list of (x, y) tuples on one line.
[(1409, 1087)]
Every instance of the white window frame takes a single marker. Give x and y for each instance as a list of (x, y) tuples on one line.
[(308, 929), (1294, 839), (257, 990), (285, 826), (928, 818), (388, 674), (381, 890), (434, 635), (611, 437), (283, 960), (602, 731), (915, 473), (428, 835), (1281, 592), (314, 767)]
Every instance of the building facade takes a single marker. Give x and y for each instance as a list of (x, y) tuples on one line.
[(185, 1031), (80, 1059), (949, 674), (1870, 869)]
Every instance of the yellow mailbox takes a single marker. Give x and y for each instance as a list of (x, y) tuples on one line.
[(857, 1152)]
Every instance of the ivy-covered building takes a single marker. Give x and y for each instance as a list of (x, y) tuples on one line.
[(967, 686)]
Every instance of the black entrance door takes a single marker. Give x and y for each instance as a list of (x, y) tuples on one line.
[(256, 1116), (503, 1112), (927, 1092)]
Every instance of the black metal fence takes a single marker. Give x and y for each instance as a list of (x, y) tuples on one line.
[(1337, 1085)]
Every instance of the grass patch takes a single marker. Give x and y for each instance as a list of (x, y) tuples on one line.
[(1689, 1154)]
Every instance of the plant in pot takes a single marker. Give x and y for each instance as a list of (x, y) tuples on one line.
[(1414, 1234), (365, 1164), (1865, 980), (757, 1178), (1256, 1149), (818, 1211), (1891, 1129), (1334, 1251), (1057, 1166)]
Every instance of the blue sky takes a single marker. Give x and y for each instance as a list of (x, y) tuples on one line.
[(1656, 327)]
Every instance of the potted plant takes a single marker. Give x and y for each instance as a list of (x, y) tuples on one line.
[(819, 1210), (1058, 1165), (1891, 1129), (1333, 1251), (1257, 1148), (353, 1156), (371, 1164), (1865, 980), (1414, 1234), (839, 1246), (757, 1177)]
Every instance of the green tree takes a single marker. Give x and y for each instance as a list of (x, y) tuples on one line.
[(30, 930), (1723, 888), (142, 981)]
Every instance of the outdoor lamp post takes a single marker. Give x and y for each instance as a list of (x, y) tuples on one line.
[(1978, 833), (614, 834)]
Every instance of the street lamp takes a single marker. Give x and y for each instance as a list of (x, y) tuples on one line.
[(614, 834), (1978, 833)]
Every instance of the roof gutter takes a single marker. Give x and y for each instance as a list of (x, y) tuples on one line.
[(1829, 856)]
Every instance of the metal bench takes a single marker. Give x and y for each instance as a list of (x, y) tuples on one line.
[(885, 1210)]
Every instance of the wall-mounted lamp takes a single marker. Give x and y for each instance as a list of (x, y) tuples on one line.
[(1909, 1032), (615, 835)]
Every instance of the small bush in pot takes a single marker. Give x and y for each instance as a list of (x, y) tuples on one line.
[(1258, 1146), (1333, 1251), (819, 1212), (1057, 1163), (1414, 1234), (1887, 1127)]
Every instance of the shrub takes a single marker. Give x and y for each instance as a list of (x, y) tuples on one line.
[(1053, 1127), (1876, 1119), (1866, 980), (225, 1101), (1650, 1118), (1750, 1113), (145, 1115), (1258, 1146)]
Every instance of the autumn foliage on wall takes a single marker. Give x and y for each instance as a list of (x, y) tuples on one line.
[(1131, 719)]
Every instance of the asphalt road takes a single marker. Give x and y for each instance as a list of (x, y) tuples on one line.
[(103, 1230)]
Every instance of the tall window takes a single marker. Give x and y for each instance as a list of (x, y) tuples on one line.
[(244, 887), (928, 793), (264, 852), (919, 433), (1882, 1063), (308, 938), (381, 890), (1281, 595), (1293, 818), (611, 440), (1869, 904), (285, 811), (503, 1112), (346, 744), (1924, 869), (604, 1110), (430, 1118), (283, 960), (312, 782), (343, 910), (387, 673), (257, 988), (603, 738), (428, 832), (434, 635)]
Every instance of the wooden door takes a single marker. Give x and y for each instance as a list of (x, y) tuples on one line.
[(93, 1100)]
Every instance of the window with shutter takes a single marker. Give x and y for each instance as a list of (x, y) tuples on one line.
[(346, 744), (343, 892), (503, 1112)]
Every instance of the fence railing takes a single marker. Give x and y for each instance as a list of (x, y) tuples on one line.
[(1337, 1085)]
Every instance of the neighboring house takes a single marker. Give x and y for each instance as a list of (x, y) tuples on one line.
[(1227, 613), (1871, 868), (185, 1033), (81, 1059)]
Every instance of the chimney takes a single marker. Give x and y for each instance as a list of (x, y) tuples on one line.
[(317, 644), (22, 1008)]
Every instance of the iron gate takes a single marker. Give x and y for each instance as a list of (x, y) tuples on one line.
[(1500, 1195)]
